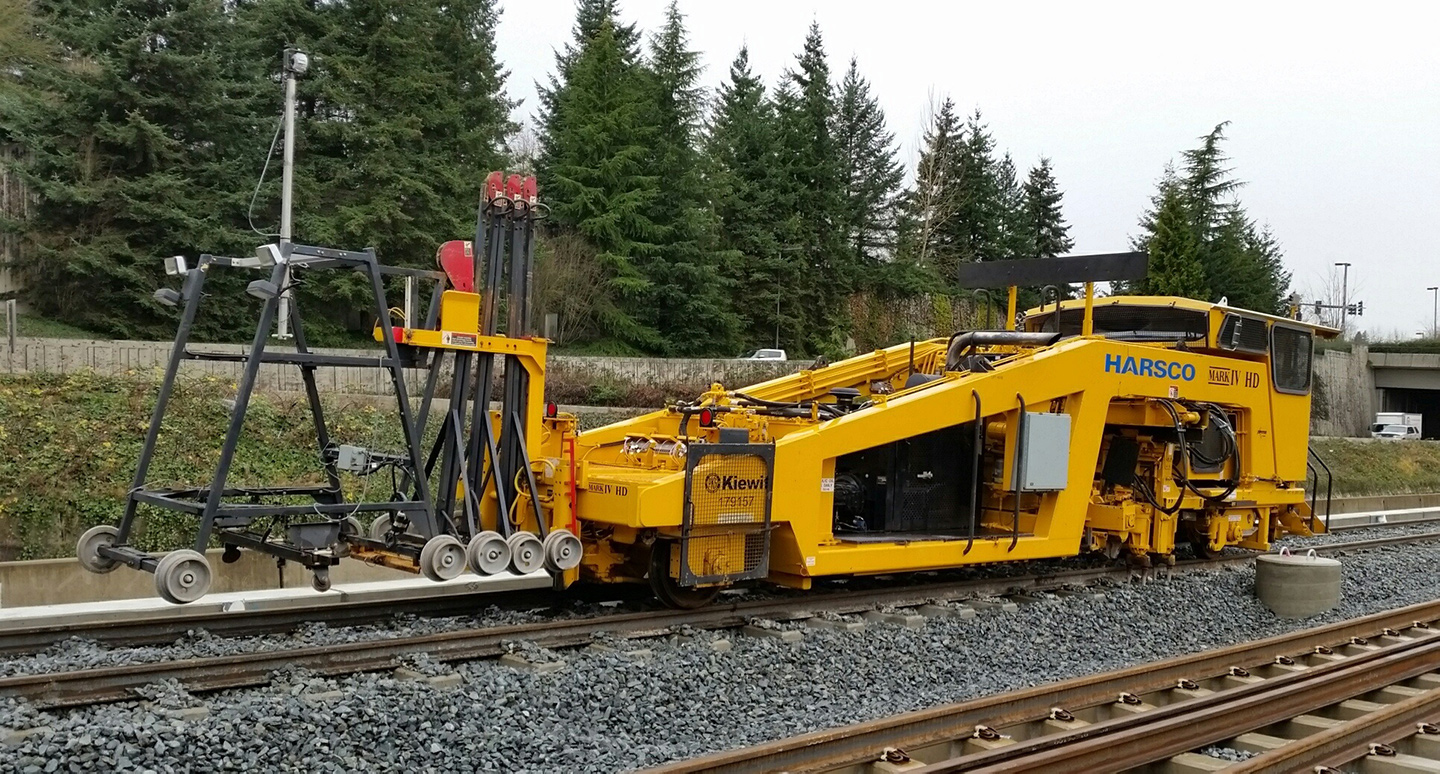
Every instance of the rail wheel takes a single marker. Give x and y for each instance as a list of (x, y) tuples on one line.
[(667, 589), (562, 550), (321, 580), (442, 558), (488, 553), (88, 549), (527, 553), (1200, 544), (182, 576)]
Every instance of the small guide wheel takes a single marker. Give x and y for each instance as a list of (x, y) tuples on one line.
[(88, 549), (488, 553), (379, 527), (349, 527), (231, 554), (562, 550), (321, 580), (442, 558), (182, 576), (527, 553)]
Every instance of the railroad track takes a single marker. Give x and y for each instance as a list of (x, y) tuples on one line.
[(1364, 691), (90, 686), (163, 627)]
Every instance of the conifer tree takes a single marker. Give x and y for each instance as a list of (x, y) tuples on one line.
[(131, 160), (1010, 210), (870, 171), (742, 153), (1238, 260), (976, 228), (1046, 232), (601, 184), (589, 16), (933, 204), (1176, 267), (689, 304), (814, 195)]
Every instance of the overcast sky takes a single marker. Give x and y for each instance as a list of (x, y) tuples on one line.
[(1334, 110)]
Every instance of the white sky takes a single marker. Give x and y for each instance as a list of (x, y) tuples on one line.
[(1335, 109)]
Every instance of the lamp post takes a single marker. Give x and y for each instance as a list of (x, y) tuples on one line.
[(1434, 310), (1344, 293), (296, 63)]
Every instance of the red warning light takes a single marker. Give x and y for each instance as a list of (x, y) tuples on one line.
[(551, 410), (707, 418)]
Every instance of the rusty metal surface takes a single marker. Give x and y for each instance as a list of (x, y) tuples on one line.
[(1348, 741), (1136, 740), (852, 745)]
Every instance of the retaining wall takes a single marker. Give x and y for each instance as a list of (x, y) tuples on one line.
[(1343, 393), (60, 356)]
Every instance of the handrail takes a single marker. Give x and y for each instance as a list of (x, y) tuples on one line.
[(979, 444), (1329, 485), (1017, 469)]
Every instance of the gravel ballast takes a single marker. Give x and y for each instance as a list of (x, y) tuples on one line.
[(607, 709)]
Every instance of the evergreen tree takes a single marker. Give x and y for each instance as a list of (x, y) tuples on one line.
[(933, 204), (590, 15), (976, 227), (688, 302), (1176, 266), (813, 195), (601, 184), (1012, 241), (131, 160), (1238, 260), (870, 171), (1046, 232), (742, 153)]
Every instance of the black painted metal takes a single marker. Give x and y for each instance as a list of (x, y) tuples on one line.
[(1053, 271)]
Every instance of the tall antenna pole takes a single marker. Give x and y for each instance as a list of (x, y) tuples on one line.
[(296, 63)]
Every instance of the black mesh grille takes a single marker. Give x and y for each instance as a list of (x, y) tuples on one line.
[(1123, 318), (1245, 334), (1290, 353), (725, 533)]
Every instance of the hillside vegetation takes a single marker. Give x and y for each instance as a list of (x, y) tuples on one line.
[(75, 439)]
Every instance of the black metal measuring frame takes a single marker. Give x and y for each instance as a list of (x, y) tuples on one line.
[(229, 513)]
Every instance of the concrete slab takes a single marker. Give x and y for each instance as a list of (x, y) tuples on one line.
[(446, 682), (188, 713), (17, 736), (516, 661), (946, 611), (783, 635), (985, 604), (911, 620), (265, 599), (840, 626)]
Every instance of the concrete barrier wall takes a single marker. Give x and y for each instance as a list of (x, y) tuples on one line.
[(1343, 394), (61, 581), (61, 356)]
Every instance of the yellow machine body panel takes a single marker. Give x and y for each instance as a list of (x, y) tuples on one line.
[(1145, 404)]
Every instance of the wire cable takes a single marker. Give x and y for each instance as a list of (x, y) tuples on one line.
[(250, 211)]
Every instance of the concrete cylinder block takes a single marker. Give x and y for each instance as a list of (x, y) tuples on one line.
[(1297, 586)]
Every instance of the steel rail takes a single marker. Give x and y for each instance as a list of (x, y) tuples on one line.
[(104, 684), (862, 743), (1348, 741), (1123, 743), (166, 626)]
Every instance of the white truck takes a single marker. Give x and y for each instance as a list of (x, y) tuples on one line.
[(1395, 425)]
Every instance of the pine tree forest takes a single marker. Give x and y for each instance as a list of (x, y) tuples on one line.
[(685, 220)]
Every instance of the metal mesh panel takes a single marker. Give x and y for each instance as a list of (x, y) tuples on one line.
[(1290, 354), (1246, 334), (725, 535)]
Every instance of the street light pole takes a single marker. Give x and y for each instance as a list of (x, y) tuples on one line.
[(1344, 294), (1434, 310), (296, 63)]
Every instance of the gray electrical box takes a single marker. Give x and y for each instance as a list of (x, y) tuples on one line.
[(1044, 462)]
